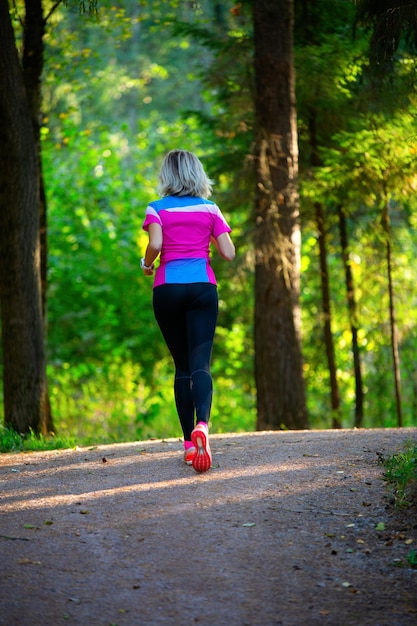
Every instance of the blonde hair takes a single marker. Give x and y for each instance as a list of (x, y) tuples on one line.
[(182, 174)]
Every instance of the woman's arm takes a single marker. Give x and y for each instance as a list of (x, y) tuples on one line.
[(153, 248), (225, 246)]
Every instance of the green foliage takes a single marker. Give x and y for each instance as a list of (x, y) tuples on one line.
[(10, 440), (124, 86), (412, 558), (359, 154), (110, 401), (401, 473), (112, 117)]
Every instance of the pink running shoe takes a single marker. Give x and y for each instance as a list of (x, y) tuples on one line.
[(189, 455), (202, 457)]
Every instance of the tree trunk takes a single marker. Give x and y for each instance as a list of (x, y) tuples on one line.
[(278, 359), (324, 282), (32, 64), (327, 315), (24, 378), (393, 325), (350, 291)]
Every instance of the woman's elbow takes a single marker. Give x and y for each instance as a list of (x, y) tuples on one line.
[(229, 254), (156, 246), (226, 247), (155, 241), (155, 238)]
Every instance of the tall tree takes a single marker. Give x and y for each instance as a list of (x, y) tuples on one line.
[(386, 224), (32, 64), (24, 377), (327, 316), (278, 357), (391, 21), (324, 277), (353, 318)]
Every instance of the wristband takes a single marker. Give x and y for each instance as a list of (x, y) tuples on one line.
[(146, 267)]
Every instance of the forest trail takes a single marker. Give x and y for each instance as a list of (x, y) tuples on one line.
[(288, 528)]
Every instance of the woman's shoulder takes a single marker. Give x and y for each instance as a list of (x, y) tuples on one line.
[(170, 202)]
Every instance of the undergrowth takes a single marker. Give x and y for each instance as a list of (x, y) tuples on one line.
[(11, 441), (401, 473)]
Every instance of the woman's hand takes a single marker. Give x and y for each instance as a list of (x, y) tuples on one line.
[(147, 269)]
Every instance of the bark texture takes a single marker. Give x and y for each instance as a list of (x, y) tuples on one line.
[(24, 378), (278, 358), (32, 65)]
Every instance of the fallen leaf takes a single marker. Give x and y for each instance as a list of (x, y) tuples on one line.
[(14, 538)]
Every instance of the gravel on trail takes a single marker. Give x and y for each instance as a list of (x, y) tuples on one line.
[(288, 528)]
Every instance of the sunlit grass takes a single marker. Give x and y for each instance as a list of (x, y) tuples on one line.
[(11, 441), (401, 473)]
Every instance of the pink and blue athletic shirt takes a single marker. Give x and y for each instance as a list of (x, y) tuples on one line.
[(187, 224)]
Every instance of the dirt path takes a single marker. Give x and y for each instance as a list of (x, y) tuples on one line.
[(291, 528)]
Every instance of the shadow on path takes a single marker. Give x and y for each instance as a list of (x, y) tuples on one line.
[(287, 528)]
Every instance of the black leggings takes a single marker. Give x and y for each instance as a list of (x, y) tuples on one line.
[(187, 316)]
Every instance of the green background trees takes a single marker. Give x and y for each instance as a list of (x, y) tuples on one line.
[(122, 87)]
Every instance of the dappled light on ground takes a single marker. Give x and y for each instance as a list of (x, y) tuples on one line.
[(302, 512)]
